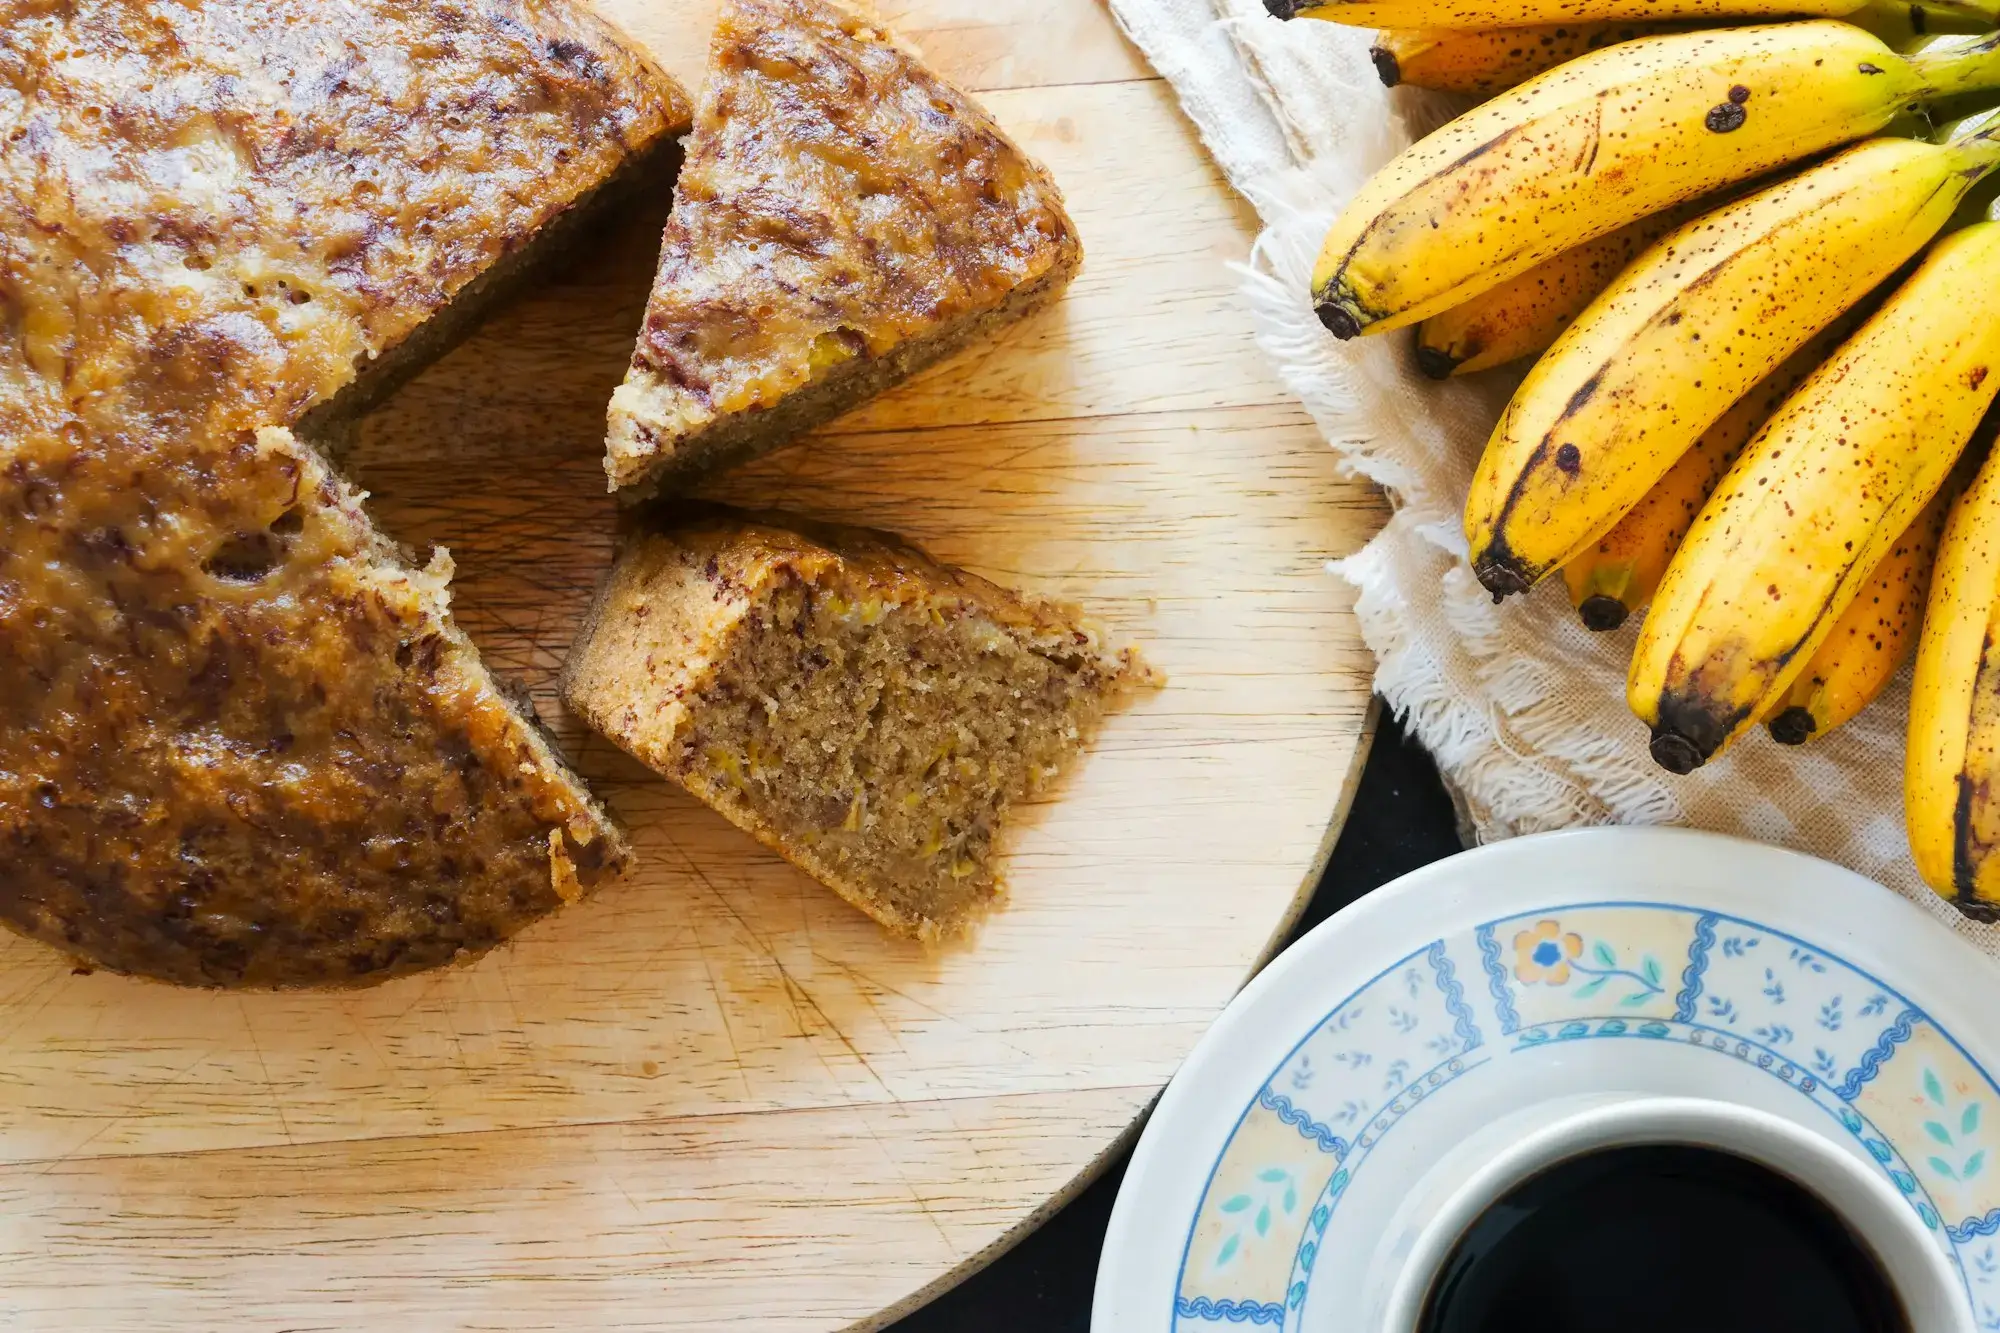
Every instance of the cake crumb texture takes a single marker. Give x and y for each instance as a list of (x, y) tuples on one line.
[(865, 711)]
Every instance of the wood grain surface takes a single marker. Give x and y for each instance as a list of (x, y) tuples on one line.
[(714, 1096)]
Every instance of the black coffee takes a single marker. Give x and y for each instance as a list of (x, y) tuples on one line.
[(1661, 1240)]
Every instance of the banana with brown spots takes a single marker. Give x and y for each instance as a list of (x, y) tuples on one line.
[(1617, 574), (1871, 640), (1951, 773), (1525, 314), (1604, 140), (1817, 500), (1482, 62)]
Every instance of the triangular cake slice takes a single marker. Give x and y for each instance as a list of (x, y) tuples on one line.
[(844, 218), (241, 742), (868, 713)]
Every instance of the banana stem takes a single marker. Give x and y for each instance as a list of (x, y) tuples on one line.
[(1905, 27), (1942, 16), (1985, 12), (1979, 133), (1959, 64), (1603, 606)]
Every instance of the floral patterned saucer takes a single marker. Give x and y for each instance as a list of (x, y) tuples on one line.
[(1654, 961)]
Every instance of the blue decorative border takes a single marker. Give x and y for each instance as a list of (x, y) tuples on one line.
[(1235, 1312), (1885, 1046), (1187, 1243), (1279, 1105), (1426, 1084), (1972, 1228), (1454, 996), (1779, 1066), (1697, 967), (1496, 980), (1539, 1035)]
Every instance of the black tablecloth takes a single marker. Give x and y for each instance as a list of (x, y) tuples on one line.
[(1402, 819)]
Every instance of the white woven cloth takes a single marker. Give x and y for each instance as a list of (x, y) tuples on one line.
[(1522, 707)]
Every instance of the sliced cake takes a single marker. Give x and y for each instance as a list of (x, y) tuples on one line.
[(844, 217), (859, 708), (240, 741)]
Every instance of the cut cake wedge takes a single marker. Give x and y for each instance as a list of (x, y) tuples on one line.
[(843, 219), (866, 712)]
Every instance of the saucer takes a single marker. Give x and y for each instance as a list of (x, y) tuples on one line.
[(1656, 962)]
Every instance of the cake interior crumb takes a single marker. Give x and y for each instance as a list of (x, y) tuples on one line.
[(888, 735)]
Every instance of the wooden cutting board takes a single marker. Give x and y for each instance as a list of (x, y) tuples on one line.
[(714, 1096)]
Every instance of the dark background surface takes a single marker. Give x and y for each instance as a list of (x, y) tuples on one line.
[(1401, 820)]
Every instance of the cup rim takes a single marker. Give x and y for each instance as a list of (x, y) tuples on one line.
[(1908, 1257)]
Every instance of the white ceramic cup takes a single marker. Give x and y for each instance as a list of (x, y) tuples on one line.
[(1477, 1172)]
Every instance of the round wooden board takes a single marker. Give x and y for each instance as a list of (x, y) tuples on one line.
[(714, 1096)]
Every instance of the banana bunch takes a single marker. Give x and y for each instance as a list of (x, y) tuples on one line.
[(1684, 332), (1753, 282)]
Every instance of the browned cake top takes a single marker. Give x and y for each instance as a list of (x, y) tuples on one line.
[(838, 199), (239, 743), (224, 206), (238, 746)]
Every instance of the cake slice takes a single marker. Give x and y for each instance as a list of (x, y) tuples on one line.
[(241, 743), (857, 707), (844, 218)]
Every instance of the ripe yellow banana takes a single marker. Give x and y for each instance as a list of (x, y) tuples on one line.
[(1525, 314), (1951, 774), (1817, 499), (1465, 15), (1870, 641), (1604, 140), (1690, 327), (1617, 574), (1486, 61)]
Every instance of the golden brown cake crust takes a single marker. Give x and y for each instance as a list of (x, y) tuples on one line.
[(839, 202), (228, 206), (240, 741)]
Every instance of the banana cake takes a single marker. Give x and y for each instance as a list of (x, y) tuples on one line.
[(859, 708), (844, 218), (241, 742)]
